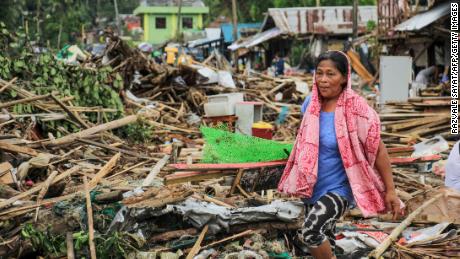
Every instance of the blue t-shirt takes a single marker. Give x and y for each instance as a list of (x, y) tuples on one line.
[(331, 172)]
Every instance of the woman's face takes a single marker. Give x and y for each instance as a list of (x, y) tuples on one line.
[(329, 79)]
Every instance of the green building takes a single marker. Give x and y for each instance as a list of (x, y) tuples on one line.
[(159, 18)]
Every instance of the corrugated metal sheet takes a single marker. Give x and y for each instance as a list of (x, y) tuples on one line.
[(212, 34), (256, 39), (422, 20), (321, 20)]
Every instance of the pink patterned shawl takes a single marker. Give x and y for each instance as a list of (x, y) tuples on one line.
[(357, 128)]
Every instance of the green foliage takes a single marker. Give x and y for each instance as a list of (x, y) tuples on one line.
[(297, 52), (47, 20), (138, 132), (371, 25), (115, 245), (42, 74), (44, 242)]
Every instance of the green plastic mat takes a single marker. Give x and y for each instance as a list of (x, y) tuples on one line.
[(226, 147)]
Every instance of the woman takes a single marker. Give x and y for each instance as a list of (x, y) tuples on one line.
[(338, 157)]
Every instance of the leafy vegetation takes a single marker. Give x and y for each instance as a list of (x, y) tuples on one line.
[(114, 245), (41, 73), (51, 21)]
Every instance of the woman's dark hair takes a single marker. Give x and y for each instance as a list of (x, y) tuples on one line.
[(339, 60)]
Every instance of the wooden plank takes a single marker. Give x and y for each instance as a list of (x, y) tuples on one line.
[(94, 130), (104, 171), (400, 149), (115, 149), (132, 167), (160, 202), (237, 236), (194, 176), (210, 199), (417, 115), (228, 166), (17, 149), (155, 170), (197, 246), (170, 127), (358, 66), (236, 181), (411, 160), (414, 123), (5, 173)]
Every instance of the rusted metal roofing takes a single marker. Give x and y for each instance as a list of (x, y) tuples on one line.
[(424, 19), (319, 20)]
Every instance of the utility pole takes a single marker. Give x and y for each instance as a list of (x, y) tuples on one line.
[(178, 28), (117, 17), (235, 33), (317, 3), (355, 19)]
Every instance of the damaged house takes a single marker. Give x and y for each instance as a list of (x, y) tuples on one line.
[(321, 28)]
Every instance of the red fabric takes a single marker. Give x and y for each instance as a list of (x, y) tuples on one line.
[(358, 135)]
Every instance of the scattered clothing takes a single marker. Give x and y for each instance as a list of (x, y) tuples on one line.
[(453, 168), (320, 220)]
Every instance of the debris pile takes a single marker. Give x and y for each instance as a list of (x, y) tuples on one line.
[(134, 185)]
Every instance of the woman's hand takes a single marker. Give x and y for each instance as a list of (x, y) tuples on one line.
[(393, 204)]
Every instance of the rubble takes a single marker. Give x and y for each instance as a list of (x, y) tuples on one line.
[(156, 199)]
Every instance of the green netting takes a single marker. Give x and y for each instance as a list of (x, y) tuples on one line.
[(226, 147)]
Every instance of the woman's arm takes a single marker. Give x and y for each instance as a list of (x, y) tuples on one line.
[(383, 165)]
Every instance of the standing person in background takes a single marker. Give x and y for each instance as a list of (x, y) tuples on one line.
[(279, 65)]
